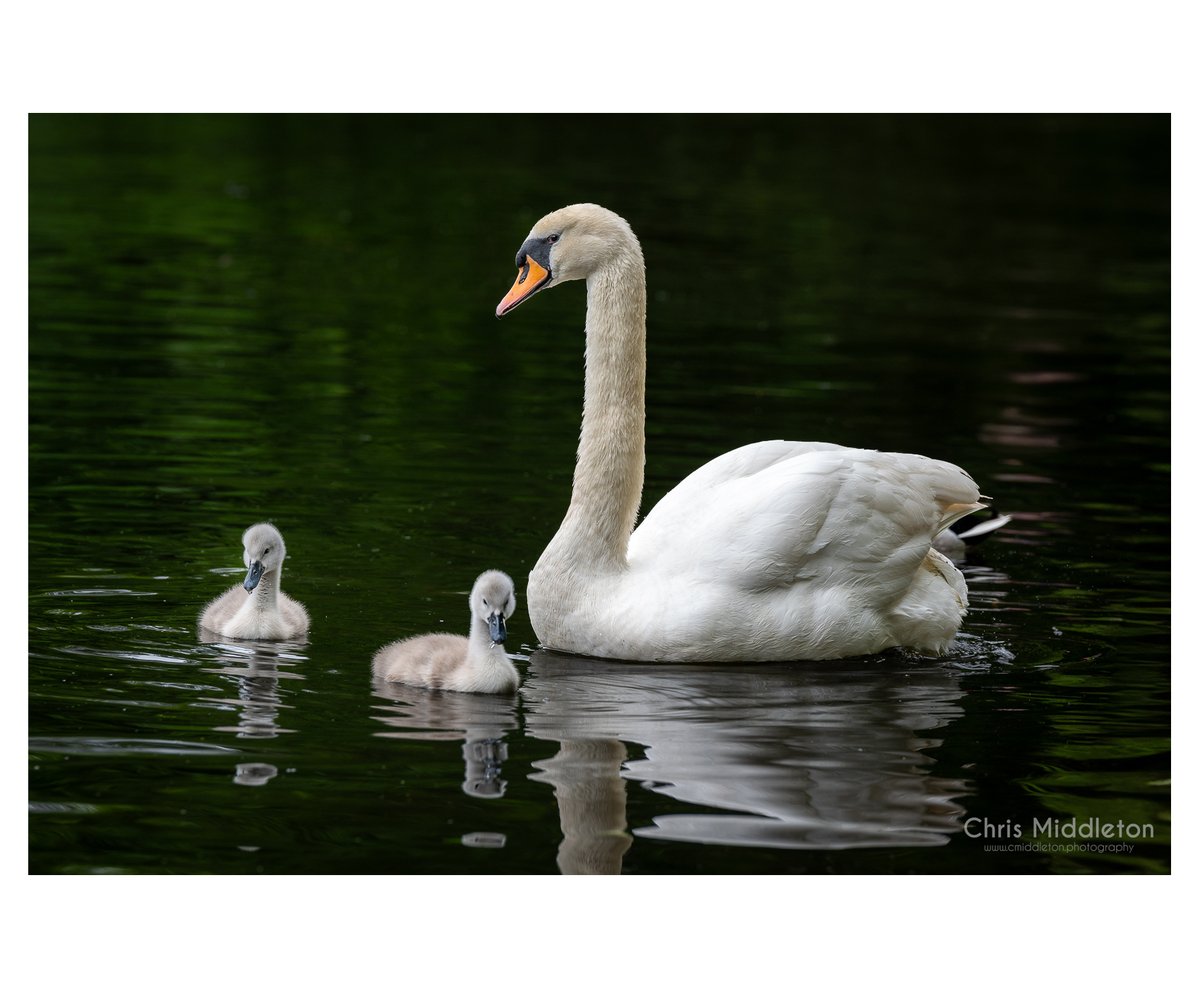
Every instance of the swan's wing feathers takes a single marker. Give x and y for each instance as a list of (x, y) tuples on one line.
[(743, 462), (736, 513), (951, 486), (775, 514)]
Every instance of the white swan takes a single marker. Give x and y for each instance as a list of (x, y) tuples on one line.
[(257, 608), (452, 662), (777, 550)]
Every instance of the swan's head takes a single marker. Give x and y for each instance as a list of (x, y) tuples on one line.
[(493, 599), (263, 552), (566, 245)]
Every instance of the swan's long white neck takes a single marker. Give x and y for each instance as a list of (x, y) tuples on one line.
[(612, 442)]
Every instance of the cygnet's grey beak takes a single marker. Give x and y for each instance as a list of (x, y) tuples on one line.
[(496, 628), (253, 575)]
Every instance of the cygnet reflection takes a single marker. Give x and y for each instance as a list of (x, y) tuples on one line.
[(259, 671), (480, 720), (254, 774)]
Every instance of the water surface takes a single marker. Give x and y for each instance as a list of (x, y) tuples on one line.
[(237, 318)]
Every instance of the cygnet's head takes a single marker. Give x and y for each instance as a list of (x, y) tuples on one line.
[(569, 244), (264, 552), (493, 599)]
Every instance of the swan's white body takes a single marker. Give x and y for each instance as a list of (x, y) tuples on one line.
[(774, 551), (778, 550), (476, 664), (258, 609)]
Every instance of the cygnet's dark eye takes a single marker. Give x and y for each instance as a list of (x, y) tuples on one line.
[(485, 603), (266, 550)]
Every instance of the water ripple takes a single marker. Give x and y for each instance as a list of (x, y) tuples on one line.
[(100, 592), (125, 746), (35, 807), (105, 653)]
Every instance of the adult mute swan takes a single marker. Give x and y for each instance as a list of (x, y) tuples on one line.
[(777, 550), (451, 662), (267, 612)]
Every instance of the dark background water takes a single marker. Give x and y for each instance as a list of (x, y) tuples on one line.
[(291, 318)]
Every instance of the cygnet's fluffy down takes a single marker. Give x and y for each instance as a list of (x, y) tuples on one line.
[(257, 608), (476, 664)]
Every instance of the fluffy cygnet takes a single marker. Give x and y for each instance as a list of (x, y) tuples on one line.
[(477, 664), (257, 608)]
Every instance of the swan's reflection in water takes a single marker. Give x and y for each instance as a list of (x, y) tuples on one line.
[(823, 755), (590, 793), (481, 720)]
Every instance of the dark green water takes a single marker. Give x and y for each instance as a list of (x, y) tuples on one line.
[(237, 319)]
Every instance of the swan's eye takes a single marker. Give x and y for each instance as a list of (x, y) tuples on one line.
[(485, 603), (266, 550), (552, 239)]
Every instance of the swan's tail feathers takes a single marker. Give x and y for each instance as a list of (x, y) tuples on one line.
[(953, 512), (973, 530)]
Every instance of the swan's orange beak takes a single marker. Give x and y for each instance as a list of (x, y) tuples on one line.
[(530, 278)]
